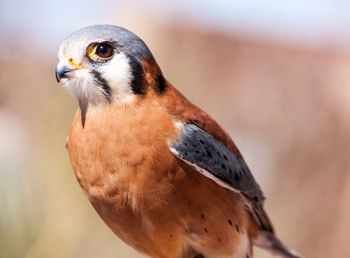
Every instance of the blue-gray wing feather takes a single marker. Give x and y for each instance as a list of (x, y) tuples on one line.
[(202, 150)]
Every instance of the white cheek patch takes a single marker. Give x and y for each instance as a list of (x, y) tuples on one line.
[(82, 85), (118, 74)]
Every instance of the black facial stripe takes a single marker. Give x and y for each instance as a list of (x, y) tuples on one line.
[(137, 83), (160, 83), (103, 83)]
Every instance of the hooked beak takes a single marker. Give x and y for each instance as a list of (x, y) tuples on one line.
[(64, 67)]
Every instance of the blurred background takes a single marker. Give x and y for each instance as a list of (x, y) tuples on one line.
[(275, 74)]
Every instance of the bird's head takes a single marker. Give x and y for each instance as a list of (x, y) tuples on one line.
[(106, 63)]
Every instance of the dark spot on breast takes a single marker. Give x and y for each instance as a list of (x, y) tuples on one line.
[(219, 240), (96, 183), (189, 230), (206, 230), (202, 215), (171, 235), (189, 203), (112, 193), (237, 228), (229, 222)]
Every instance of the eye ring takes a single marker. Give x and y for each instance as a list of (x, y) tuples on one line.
[(100, 51)]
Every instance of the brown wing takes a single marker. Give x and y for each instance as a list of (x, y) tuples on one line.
[(213, 159), (201, 127), (211, 151), (182, 109)]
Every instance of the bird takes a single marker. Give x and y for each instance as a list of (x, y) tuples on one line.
[(160, 172)]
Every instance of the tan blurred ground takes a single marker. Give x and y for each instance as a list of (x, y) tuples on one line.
[(286, 106)]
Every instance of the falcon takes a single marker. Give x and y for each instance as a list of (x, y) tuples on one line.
[(160, 172)]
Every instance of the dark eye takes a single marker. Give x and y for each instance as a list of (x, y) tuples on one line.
[(104, 50)]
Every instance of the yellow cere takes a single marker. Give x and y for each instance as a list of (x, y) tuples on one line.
[(74, 64)]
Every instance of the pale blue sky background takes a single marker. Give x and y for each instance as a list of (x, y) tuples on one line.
[(310, 21)]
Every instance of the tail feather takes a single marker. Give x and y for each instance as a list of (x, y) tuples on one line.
[(270, 242)]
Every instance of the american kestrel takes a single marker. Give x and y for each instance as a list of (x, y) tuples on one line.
[(161, 173)]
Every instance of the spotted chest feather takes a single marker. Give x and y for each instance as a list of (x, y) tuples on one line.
[(149, 198)]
